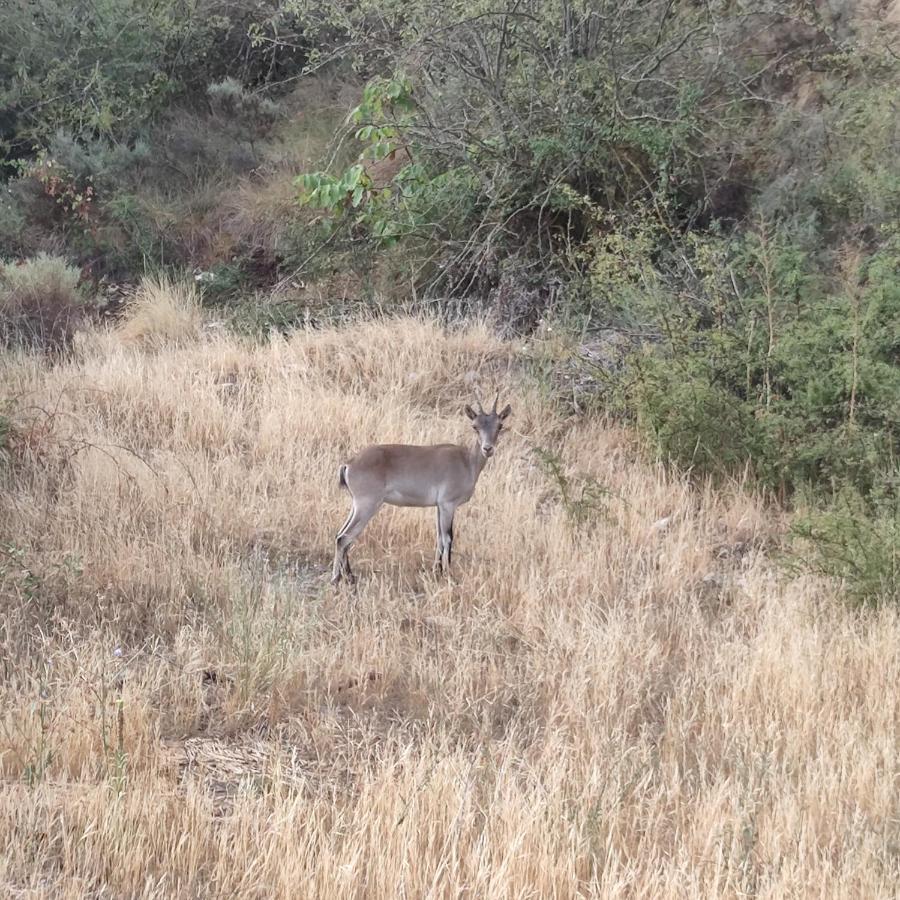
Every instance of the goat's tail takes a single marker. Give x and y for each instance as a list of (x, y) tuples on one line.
[(342, 478)]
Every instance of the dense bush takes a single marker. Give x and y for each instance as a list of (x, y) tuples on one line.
[(119, 209), (116, 114), (536, 113), (774, 365)]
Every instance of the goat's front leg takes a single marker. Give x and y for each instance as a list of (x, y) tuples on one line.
[(445, 535)]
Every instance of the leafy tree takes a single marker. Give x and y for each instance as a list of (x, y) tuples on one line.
[(545, 109)]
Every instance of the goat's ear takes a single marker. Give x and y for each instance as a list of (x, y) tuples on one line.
[(471, 412), (505, 412)]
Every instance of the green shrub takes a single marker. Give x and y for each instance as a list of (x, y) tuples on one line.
[(41, 302), (228, 97), (106, 164), (223, 282), (856, 542), (765, 360), (260, 315), (694, 422)]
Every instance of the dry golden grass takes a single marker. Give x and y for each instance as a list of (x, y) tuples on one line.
[(620, 708), (161, 312)]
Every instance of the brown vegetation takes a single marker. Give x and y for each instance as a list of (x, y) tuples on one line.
[(40, 302), (619, 698)]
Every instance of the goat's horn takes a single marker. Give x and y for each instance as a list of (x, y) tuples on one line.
[(496, 398), (478, 401)]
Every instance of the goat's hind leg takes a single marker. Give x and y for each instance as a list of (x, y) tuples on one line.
[(439, 550), (339, 566), (359, 517)]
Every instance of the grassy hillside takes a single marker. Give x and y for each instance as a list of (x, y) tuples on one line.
[(616, 694), (240, 239)]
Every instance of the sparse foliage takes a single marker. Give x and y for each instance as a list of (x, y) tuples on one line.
[(582, 496)]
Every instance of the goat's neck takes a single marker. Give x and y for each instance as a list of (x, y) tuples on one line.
[(477, 460)]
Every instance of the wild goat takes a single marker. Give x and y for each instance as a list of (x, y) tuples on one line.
[(443, 475)]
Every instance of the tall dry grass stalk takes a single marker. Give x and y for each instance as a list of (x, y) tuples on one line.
[(622, 699), (161, 312)]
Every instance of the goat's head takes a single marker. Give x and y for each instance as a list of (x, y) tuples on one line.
[(488, 425)]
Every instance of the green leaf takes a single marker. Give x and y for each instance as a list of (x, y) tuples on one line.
[(352, 177), (381, 149)]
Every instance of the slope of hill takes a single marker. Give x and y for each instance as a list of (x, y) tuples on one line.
[(616, 694)]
